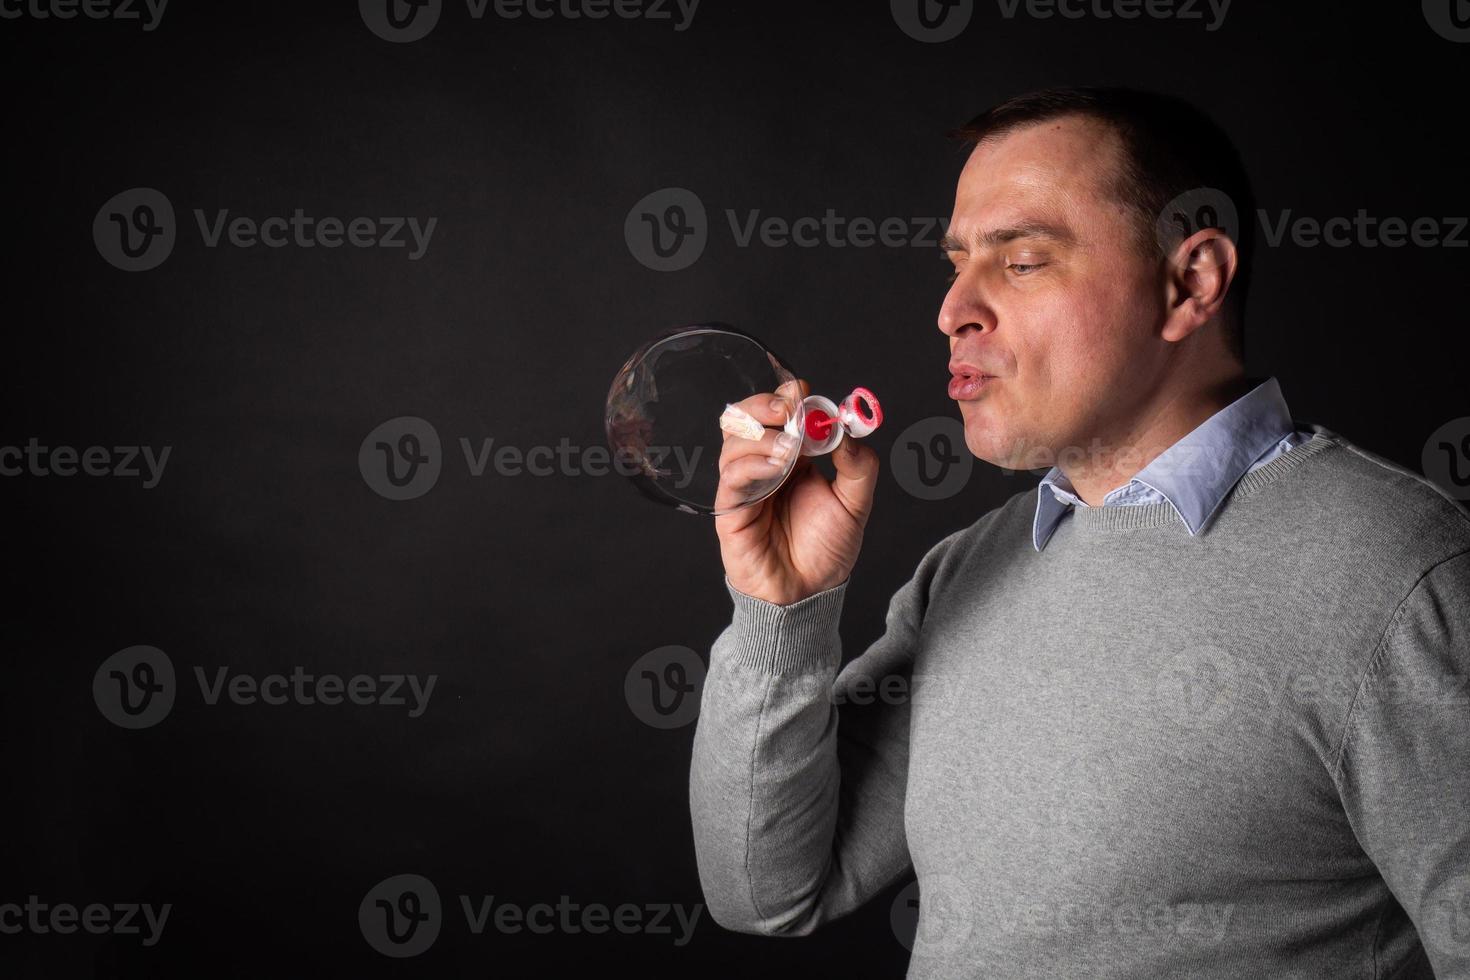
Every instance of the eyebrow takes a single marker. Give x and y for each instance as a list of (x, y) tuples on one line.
[(1000, 236)]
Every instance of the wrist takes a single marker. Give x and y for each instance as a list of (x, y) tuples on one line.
[(796, 637)]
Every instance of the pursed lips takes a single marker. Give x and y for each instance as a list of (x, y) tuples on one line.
[(966, 380)]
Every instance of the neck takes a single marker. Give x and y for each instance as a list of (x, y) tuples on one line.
[(1153, 427)]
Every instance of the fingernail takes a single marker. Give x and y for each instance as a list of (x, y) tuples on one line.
[(738, 422), (786, 442), (778, 405), (773, 461)]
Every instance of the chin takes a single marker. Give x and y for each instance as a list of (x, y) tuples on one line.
[(984, 439), (998, 445)]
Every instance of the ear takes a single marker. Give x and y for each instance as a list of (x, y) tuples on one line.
[(1198, 273)]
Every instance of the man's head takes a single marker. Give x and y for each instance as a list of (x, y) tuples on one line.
[(1081, 286)]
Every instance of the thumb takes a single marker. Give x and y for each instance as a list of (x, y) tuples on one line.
[(857, 477)]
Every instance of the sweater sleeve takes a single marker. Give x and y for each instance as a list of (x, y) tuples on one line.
[(796, 785), (1404, 771)]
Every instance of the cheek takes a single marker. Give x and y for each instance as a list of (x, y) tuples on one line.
[(1100, 327), (1059, 341), (1075, 347)]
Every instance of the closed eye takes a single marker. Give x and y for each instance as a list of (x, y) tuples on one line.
[(954, 271), (1022, 268)]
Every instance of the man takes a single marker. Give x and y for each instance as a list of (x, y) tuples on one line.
[(1194, 707)]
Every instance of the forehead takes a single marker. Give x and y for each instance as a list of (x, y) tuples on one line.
[(1061, 170)]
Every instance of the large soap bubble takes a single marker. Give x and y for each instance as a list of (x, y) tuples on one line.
[(664, 409), (682, 394)]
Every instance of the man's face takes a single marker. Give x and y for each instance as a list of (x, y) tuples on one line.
[(1053, 296)]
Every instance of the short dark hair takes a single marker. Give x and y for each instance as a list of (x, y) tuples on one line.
[(1170, 148)]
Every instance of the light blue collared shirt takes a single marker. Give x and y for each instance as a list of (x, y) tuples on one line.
[(1196, 473)]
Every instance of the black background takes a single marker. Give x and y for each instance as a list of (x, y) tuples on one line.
[(262, 548)]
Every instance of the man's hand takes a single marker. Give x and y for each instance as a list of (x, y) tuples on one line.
[(804, 538)]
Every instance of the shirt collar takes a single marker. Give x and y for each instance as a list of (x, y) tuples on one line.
[(1196, 473)]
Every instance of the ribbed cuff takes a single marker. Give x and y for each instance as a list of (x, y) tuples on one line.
[(798, 638)]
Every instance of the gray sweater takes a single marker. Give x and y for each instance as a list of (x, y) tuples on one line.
[(1135, 754)]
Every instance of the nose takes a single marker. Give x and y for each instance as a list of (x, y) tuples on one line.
[(964, 310)]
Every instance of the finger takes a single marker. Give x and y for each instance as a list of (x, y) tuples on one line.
[(743, 479), (767, 407), (775, 442), (794, 390), (856, 478)]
